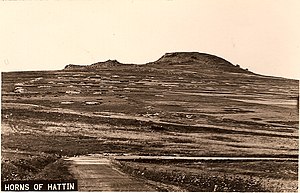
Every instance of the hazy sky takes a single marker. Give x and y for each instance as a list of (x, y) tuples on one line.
[(261, 35)]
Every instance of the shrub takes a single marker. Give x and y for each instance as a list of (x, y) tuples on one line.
[(199, 182)]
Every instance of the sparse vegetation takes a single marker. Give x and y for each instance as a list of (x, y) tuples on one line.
[(215, 175), (197, 182), (33, 167), (184, 104)]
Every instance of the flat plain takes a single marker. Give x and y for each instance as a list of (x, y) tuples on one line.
[(182, 105)]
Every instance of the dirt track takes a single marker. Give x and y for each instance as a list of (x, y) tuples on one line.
[(97, 174)]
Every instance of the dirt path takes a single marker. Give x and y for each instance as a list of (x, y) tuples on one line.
[(96, 173)]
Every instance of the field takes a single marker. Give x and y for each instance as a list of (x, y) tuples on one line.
[(183, 105)]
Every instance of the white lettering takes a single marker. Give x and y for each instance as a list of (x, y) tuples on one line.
[(37, 186), (23, 187), (71, 186), (49, 186), (61, 186), (64, 186), (52, 187), (16, 187), (6, 187), (26, 186)]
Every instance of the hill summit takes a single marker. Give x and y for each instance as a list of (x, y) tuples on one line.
[(197, 61), (180, 57), (98, 65)]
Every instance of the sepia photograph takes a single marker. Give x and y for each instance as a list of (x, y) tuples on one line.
[(150, 96)]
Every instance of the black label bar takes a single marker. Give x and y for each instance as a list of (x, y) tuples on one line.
[(40, 185)]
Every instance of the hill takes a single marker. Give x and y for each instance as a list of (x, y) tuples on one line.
[(184, 104), (200, 62)]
